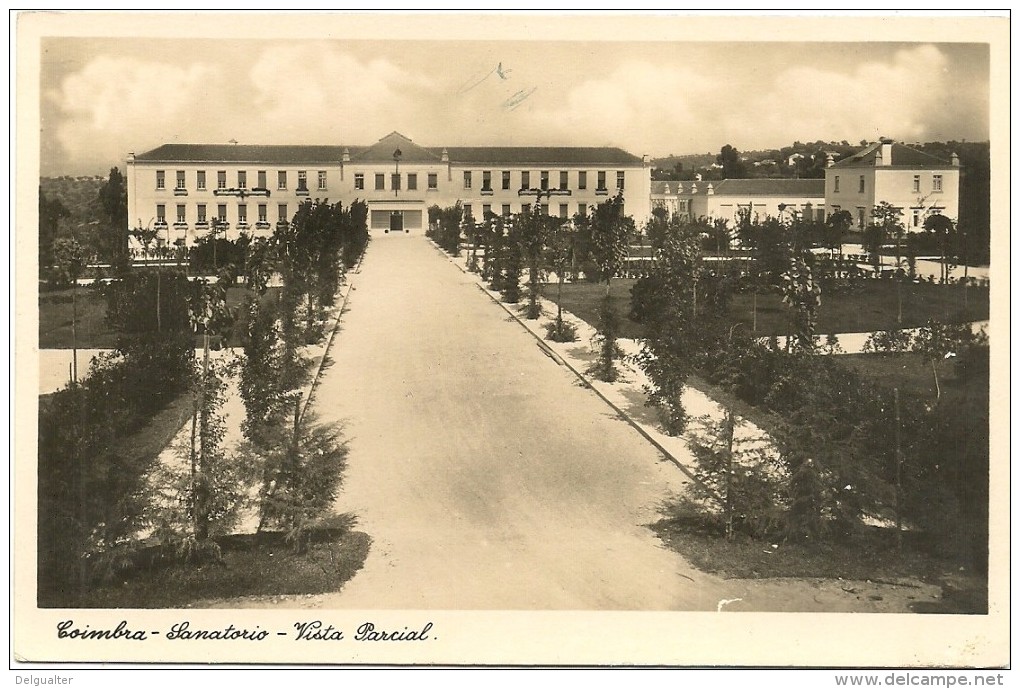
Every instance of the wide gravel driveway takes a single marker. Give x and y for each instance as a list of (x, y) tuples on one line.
[(486, 476)]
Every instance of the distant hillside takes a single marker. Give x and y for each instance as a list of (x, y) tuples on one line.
[(78, 195)]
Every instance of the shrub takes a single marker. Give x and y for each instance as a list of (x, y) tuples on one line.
[(561, 331)]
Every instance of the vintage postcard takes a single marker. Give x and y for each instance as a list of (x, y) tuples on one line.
[(511, 339)]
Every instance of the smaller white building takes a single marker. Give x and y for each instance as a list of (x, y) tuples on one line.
[(911, 180)]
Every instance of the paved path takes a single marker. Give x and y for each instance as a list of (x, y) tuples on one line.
[(486, 476)]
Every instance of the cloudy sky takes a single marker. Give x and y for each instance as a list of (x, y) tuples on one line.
[(102, 98)]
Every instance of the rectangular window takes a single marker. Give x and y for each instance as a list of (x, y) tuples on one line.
[(917, 184), (601, 181), (263, 212), (582, 180), (433, 180), (395, 181), (582, 209), (160, 179), (506, 179), (467, 212), (242, 179), (525, 208), (525, 180), (380, 181), (467, 179), (835, 184), (200, 182), (281, 212), (544, 179), (915, 217), (262, 179), (160, 213), (182, 215), (860, 218), (486, 181), (545, 209), (359, 180), (563, 179), (506, 209), (860, 185), (936, 182), (563, 210), (180, 179), (242, 213), (221, 179), (322, 180), (281, 179), (412, 181), (486, 210), (221, 212), (619, 180), (302, 180), (201, 213)]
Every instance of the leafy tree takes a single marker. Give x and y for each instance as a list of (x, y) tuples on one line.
[(836, 227), (889, 218), (670, 316), (559, 253), (803, 294), (873, 239), (732, 166), (610, 232), (51, 213), (944, 232), (113, 200), (534, 230)]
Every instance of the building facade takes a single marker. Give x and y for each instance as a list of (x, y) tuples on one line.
[(180, 189), (913, 181), (726, 199)]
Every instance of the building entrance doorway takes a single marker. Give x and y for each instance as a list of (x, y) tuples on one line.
[(396, 222)]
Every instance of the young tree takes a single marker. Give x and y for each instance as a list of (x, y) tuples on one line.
[(836, 227), (559, 253), (610, 233), (944, 231), (804, 296), (889, 218), (51, 213), (670, 316), (533, 230)]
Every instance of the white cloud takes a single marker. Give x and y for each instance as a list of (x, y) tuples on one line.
[(116, 104), (897, 99), (318, 94)]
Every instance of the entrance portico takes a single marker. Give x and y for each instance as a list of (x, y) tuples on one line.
[(397, 215)]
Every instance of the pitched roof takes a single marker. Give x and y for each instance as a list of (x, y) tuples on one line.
[(383, 150), (763, 186), (540, 155), (241, 153), (902, 155)]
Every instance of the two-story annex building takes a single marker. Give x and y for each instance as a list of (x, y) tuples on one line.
[(911, 180), (180, 188)]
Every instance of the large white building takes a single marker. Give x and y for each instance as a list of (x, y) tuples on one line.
[(179, 189)]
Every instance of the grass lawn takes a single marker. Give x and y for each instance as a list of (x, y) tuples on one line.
[(873, 306), (55, 312), (266, 566)]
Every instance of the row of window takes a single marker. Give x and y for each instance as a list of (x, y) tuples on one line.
[(936, 184), (507, 209), (395, 180), (202, 216), (242, 180), (543, 179)]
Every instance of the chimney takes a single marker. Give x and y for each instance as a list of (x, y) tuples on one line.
[(829, 161), (131, 157), (885, 153), (956, 160), (645, 160)]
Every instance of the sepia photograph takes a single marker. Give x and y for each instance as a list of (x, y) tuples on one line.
[(511, 339)]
